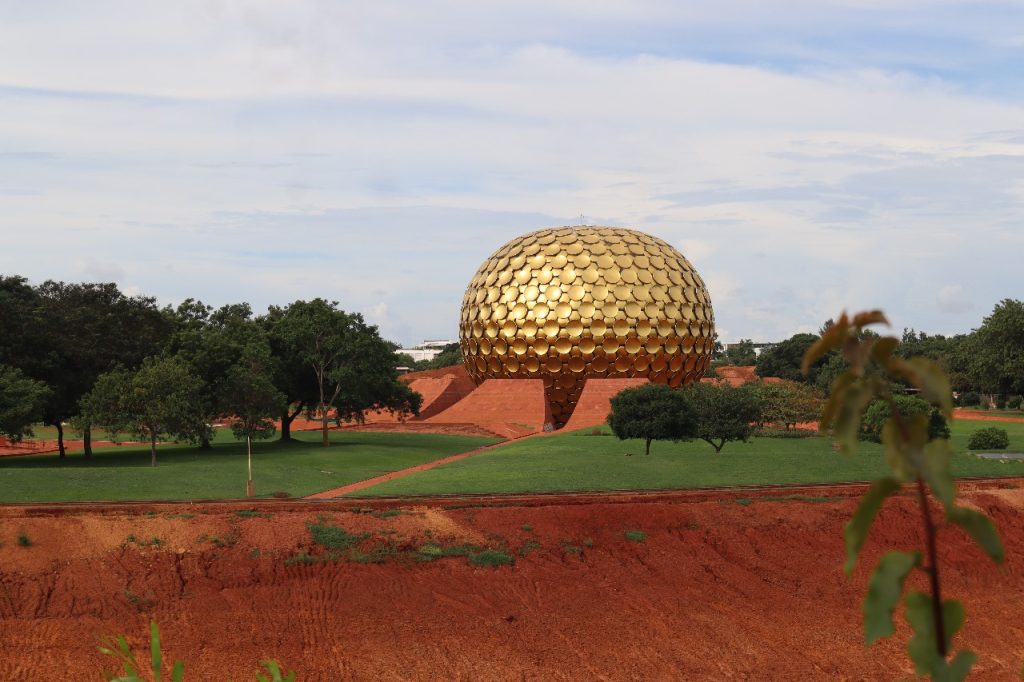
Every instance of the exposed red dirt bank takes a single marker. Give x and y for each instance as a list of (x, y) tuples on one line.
[(718, 590)]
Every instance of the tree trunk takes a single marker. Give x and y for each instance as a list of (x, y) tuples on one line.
[(323, 424), (152, 449), (286, 422), (60, 439), (249, 488), (87, 442), (647, 449), (204, 440)]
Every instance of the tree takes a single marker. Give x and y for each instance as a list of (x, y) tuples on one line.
[(251, 401), (334, 361), (741, 354), (160, 399), (652, 412), (724, 413), (212, 342), (782, 360), (92, 329), (21, 403), (880, 411), (995, 350), (787, 402)]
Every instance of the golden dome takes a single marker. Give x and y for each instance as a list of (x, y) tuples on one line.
[(568, 303)]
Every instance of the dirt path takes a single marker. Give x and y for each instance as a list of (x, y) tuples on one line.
[(722, 586), (975, 416)]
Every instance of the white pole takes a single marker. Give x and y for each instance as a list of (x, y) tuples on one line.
[(248, 486)]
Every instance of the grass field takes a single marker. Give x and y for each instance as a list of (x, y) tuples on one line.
[(580, 461), (186, 472)]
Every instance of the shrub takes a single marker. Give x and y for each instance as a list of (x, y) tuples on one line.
[(970, 399), (879, 412), (990, 438), (1014, 402), (1000, 403)]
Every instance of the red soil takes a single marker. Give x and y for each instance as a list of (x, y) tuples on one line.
[(718, 590), (976, 416), (594, 405), (508, 407)]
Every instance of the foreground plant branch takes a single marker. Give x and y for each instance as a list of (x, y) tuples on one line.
[(914, 458)]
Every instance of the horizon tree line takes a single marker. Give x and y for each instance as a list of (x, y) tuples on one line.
[(89, 355)]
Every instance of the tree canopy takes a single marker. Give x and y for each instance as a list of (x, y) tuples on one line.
[(995, 351), (724, 413), (652, 412)]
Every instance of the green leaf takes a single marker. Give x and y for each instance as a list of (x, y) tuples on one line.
[(856, 530), (850, 409), (935, 468), (884, 591), (836, 393), (979, 527), (178, 672), (903, 450), (868, 318), (154, 650), (957, 669), (929, 378), (883, 348), (832, 339), (921, 646)]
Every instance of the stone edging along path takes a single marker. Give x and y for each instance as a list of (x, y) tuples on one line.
[(400, 473)]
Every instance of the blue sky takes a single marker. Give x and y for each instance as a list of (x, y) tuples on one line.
[(806, 156)]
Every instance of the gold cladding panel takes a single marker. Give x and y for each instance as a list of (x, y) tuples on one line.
[(565, 304)]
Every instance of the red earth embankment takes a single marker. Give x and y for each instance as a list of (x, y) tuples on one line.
[(724, 586), (595, 403)]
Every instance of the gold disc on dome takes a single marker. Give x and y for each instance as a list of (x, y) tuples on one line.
[(558, 261), (590, 275), (612, 276), (540, 346), (582, 259), (519, 346), (499, 346), (623, 363), (610, 344), (620, 327), (576, 292), (632, 345), (553, 364), (551, 328), (577, 364), (567, 275), (605, 261), (643, 328), (632, 309), (563, 345), (641, 363), (609, 309), (599, 292), (587, 346), (587, 310), (598, 327), (563, 310), (575, 328), (529, 329), (658, 363), (599, 363), (652, 345)]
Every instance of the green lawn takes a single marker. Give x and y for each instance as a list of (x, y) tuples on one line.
[(580, 461), (186, 472)]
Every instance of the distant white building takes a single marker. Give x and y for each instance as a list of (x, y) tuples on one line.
[(428, 350)]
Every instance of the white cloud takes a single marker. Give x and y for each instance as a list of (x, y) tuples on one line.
[(377, 153), (953, 299)]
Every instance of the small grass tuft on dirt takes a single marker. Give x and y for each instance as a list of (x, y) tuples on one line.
[(23, 539), (635, 535), (491, 557), (334, 537), (743, 501), (528, 547), (252, 514), (526, 528)]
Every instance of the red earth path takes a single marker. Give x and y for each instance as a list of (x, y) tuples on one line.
[(725, 586)]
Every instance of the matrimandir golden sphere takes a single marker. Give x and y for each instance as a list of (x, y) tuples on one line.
[(570, 303)]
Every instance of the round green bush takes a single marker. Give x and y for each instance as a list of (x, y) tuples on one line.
[(878, 413), (990, 438), (1014, 401), (970, 399)]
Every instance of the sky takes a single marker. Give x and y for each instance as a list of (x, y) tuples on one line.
[(806, 156)]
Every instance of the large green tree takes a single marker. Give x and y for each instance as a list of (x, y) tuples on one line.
[(652, 412), (724, 413), (334, 363), (90, 330), (21, 403), (741, 354), (787, 402), (995, 351), (211, 342), (782, 360), (250, 400), (160, 399)]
